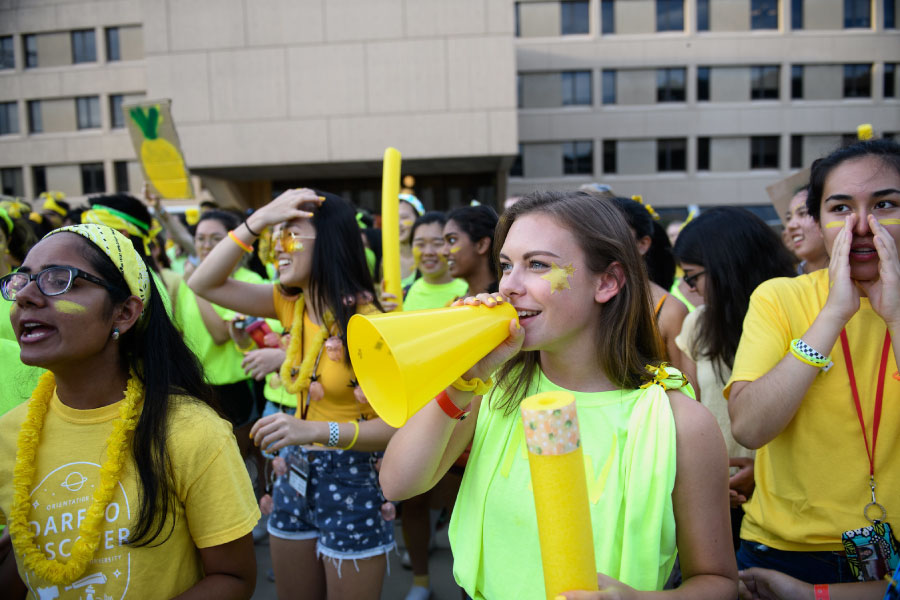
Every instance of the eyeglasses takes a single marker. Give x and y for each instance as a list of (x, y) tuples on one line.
[(691, 280), (51, 282), (290, 241)]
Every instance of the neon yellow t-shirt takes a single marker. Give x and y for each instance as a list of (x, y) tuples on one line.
[(422, 295), (628, 438), (221, 362), (214, 501), (812, 480)]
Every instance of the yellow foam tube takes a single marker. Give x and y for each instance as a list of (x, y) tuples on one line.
[(556, 460), (390, 225)]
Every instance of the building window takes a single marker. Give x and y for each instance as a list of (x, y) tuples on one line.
[(796, 14), (84, 47), (764, 14), (609, 86), (764, 82), (670, 85), (607, 16), (88, 111), (35, 122), (857, 81), (9, 118), (671, 154), (578, 158), (121, 170), (516, 170), (702, 15), (889, 15), (609, 157), (116, 115), (114, 53), (857, 13), (703, 154), (703, 84), (31, 55), (93, 181), (39, 180), (764, 152), (796, 151), (11, 179), (890, 71), (797, 82), (574, 17), (576, 88), (7, 54), (670, 15)]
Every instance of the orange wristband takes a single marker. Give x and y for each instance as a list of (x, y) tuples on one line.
[(450, 409), (237, 240), (821, 592)]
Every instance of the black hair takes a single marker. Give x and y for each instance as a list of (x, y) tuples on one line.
[(21, 238), (340, 275), (478, 222), (432, 216), (658, 259), (133, 207), (154, 349), (738, 251), (230, 221), (887, 150), (373, 237)]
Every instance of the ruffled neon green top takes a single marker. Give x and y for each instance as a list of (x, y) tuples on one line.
[(629, 447)]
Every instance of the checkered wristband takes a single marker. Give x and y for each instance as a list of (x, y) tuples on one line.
[(809, 355), (334, 432)]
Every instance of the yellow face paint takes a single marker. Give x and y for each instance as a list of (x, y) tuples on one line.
[(559, 277), (407, 222), (69, 308), (889, 221), (834, 224), (454, 249)]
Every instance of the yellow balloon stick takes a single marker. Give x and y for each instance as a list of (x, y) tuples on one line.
[(556, 459), (390, 225)]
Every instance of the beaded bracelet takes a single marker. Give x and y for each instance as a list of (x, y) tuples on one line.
[(334, 432), (474, 385), (355, 435), (245, 247), (809, 355)]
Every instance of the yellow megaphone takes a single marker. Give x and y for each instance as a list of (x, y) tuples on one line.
[(402, 360)]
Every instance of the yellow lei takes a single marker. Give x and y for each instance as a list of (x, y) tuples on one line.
[(85, 545), (301, 383)]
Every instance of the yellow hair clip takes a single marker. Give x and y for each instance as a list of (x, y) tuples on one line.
[(639, 199)]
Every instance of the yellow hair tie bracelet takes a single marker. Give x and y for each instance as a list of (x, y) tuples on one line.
[(237, 240), (355, 435), (474, 385)]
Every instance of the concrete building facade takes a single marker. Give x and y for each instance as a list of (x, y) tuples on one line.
[(682, 101)]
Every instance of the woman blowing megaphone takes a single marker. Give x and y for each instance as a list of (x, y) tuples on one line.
[(655, 457)]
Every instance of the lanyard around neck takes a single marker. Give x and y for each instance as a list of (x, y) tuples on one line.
[(879, 394)]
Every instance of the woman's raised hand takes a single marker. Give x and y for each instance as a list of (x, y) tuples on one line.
[(843, 295), (284, 208), (485, 367), (884, 294)]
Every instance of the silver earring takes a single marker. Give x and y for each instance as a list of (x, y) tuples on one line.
[(115, 333)]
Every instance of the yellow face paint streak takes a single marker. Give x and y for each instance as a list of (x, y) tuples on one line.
[(407, 222), (559, 277), (834, 224), (455, 249), (889, 221), (69, 308)]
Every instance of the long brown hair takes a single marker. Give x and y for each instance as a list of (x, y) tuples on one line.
[(627, 338)]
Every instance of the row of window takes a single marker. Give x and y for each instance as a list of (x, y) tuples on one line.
[(671, 154), (93, 179), (671, 85), (87, 114), (83, 48), (575, 15)]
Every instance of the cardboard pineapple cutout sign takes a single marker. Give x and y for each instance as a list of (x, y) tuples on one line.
[(156, 144)]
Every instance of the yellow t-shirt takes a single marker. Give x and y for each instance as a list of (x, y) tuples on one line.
[(339, 403), (214, 499), (812, 480)]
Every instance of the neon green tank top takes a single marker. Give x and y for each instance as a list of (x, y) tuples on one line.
[(629, 447)]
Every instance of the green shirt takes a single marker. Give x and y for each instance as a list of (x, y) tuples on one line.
[(433, 295), (628, 438)]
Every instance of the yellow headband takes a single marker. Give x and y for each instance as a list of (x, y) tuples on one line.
[(15, 208), (102, 215), (51, 204), (122, 253)]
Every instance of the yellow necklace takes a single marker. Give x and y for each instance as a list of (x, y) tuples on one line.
[(85, 545), (301, 383)]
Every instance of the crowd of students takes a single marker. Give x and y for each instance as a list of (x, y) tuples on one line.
[(166, 406)]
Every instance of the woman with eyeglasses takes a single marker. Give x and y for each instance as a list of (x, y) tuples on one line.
[(326, 506), (117, 477), (725, 253)]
